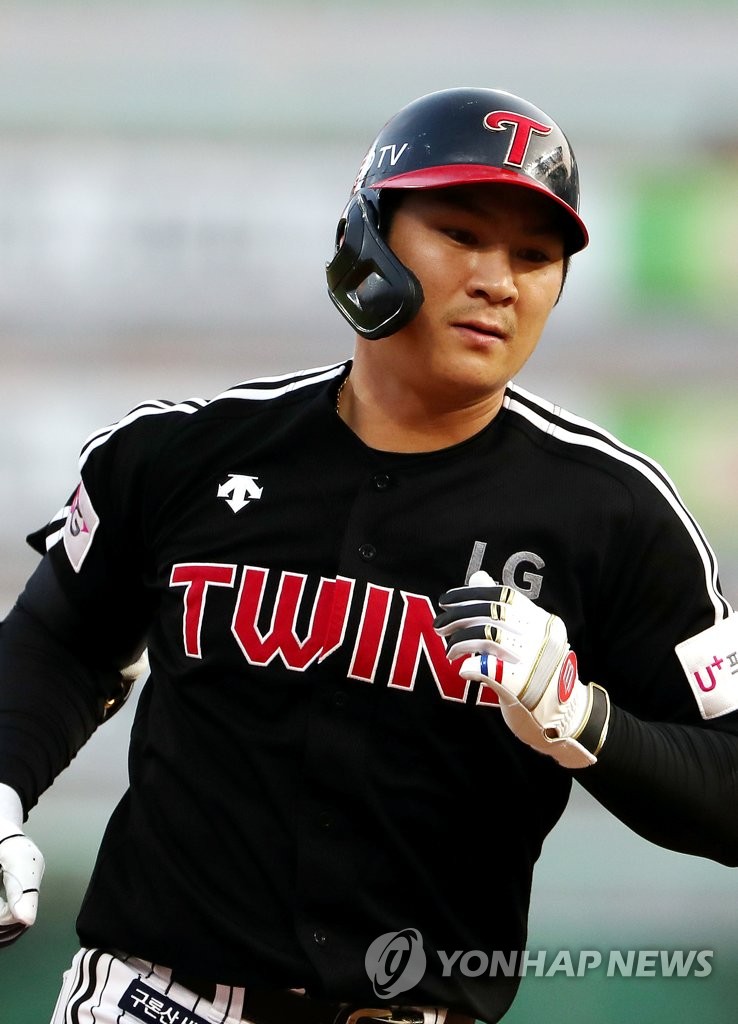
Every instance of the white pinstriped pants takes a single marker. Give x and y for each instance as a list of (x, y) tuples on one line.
[(100, 988)]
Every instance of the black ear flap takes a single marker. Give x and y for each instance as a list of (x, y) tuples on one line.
[(367, 283)]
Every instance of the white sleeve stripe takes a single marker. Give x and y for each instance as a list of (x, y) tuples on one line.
[(586, 426), (54, 538), (316, 373), (145, 409), (254, 390), (61, 515), (95, 440), (59, 519), (591, 436), (251, 389)]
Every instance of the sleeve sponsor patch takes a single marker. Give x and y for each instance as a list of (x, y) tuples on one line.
[(79, 529), (710, 663)]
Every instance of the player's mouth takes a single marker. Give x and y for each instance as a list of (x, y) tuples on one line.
[(481, 331)]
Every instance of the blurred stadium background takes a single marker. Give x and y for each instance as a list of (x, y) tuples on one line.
[(170, 178)]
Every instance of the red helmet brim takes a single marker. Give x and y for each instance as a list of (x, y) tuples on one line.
[(470, 174)]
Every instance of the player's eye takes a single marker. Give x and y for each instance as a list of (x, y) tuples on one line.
[(534, 254), (461, 235)]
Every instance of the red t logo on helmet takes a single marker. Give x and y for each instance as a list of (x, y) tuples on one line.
[(522, 129)]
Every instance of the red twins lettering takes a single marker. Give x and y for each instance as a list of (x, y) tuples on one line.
[(523, 128), (326, 623), (196, 579), (417, 635), (373, 626), (413, 639)]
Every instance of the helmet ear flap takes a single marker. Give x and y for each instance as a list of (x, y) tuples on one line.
[(367, 283)]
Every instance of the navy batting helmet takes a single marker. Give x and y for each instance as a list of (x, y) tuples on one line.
[(451, 137)]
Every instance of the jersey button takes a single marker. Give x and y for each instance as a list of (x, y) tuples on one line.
[(381, 481), (319, 937), (367, 552), (325, 820)]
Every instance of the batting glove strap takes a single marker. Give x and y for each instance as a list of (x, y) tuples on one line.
[(593, 732), (568, 721), (573, 735)]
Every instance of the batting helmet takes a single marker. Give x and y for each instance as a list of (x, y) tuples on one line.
[(451, 137)]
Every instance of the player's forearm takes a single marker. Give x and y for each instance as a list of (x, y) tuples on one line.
[(49, 705), (675, 785)]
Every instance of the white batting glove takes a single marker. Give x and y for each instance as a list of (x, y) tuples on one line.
[(523, 653), (21, 870)]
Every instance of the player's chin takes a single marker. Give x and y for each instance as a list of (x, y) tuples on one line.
[(483, 365), (473, 389)]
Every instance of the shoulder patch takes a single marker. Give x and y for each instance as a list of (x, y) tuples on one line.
[(710, 663), (79, 529)]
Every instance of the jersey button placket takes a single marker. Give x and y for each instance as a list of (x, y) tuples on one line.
[(379, 482), (367, 552), (325, 821)]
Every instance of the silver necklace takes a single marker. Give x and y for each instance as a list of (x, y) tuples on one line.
[(340, 392)]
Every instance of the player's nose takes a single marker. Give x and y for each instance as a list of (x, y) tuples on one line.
[(491, 275)]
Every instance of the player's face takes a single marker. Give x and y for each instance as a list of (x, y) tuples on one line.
[(490, 259)]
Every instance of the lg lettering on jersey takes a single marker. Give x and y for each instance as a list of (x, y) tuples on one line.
[(521, 129), (413, 638)]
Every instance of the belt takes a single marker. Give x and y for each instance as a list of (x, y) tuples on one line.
[(284, 1007)]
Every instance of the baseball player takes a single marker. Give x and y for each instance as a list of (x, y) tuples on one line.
[(383, 601)]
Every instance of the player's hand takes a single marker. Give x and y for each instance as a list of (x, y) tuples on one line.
[(523, 653), (21, 871)]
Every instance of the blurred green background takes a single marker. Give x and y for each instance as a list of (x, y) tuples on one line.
[(171, 174)]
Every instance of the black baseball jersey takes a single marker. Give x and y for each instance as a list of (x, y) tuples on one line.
[(308, 772)]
